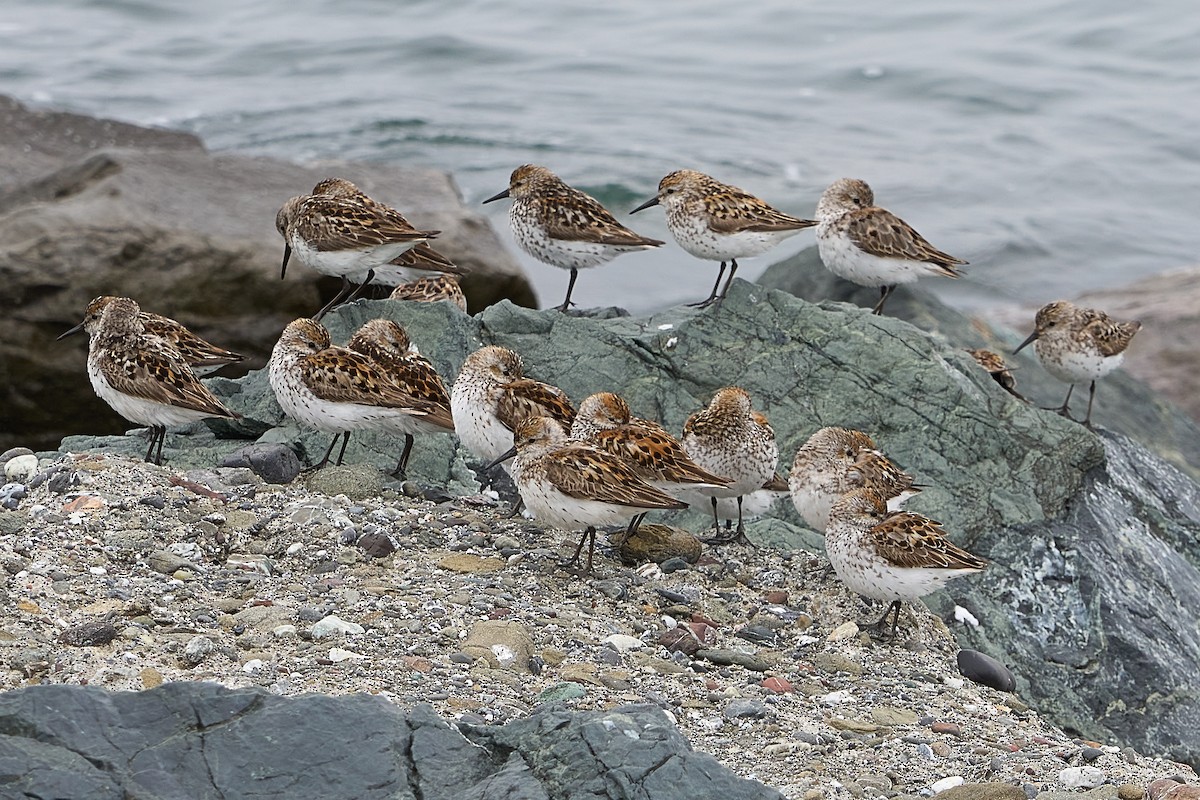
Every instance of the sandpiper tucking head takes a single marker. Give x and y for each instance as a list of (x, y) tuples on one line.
[(835, 460), (143, 376), (871, 246)]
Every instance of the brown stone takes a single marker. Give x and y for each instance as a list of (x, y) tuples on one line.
[(983, 791), (657, 543)]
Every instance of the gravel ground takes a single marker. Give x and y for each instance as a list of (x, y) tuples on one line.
[(125, 575)]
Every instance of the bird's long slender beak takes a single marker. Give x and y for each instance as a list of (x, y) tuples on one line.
[(495, 197), (287, 253), (1026, 343), (71, 332), (653, 201), (512, 451)]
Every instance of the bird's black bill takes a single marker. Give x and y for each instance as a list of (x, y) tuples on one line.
[(653, 201), (71, 332), (495, 197), (1026, 343), (287, 253), (512, 451)]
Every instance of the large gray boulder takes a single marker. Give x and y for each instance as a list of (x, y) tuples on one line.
[(91, 207), (1094, 538), (189, 741)]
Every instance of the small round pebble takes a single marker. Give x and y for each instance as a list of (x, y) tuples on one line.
[(984, 669)]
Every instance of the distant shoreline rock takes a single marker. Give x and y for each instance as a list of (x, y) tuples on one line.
[(91, 206)]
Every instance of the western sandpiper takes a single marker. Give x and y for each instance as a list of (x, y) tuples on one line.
[(863, 243), (336, 390), (604, 421), (387, 344), (835, 460), (731, 439), (719, 222), (491, 396), (432, 289), (203, 357), (570, 485), (1000, 371), (419, 262), (143, 377), (351, 237), (896, 556), (564, 227), (1078, 344)]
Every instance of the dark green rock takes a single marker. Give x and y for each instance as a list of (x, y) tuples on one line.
[(201, 740)]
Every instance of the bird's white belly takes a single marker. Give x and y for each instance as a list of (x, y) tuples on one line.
[(844, 258), (344, 263), (139, 410), (1074, 366), (552, 507)]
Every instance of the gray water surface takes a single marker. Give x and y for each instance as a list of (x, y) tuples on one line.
[(1052, 144)]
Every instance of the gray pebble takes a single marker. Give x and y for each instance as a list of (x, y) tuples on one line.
[(744, 708), (197, 649), (756, 633), (1090, 754), (985, 670), (62, 482), (730, 657), (674, 564), (274, 463), (12, 453), (89, 634)]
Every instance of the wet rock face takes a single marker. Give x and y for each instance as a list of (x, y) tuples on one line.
[(200, 739), (91, 207)]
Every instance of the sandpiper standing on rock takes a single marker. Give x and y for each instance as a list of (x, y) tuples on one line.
[(1078, 344), (387, 344), (491, 396), (336, 390), (835, 460), (570, 485), (562, 226), (142, 376), (604, 421), (203, 357), (719, 222), (346, 235), (731, 439), (871, 246), (891, 556)]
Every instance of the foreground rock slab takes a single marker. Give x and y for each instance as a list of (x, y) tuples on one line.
[(199, 740)]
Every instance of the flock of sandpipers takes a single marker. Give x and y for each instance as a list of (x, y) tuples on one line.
[(598, 465)]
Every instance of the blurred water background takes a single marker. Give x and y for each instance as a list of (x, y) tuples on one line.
[(1053, 144)]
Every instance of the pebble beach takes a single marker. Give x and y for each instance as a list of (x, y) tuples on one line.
[(125, 575)]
